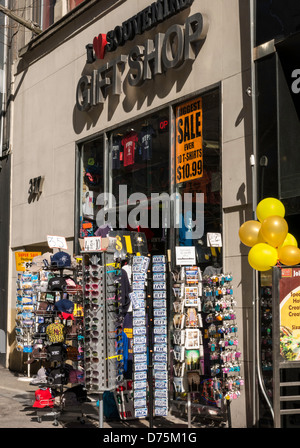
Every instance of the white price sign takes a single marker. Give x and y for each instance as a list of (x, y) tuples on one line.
[(214, 240), (57, 242), (185, 255), (92, 244)]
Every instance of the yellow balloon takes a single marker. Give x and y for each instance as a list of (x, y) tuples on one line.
[(262, 257), (289, 255), (269, 207), (290, 240), (274, 230), (249, 233)]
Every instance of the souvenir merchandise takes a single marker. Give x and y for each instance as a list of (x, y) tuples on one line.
[(145, 141), (26, 306), (139, 270), (129, 143), (104, 306), (52, 293), (206, 357), (221, 334), (160, 325), (188, 352)]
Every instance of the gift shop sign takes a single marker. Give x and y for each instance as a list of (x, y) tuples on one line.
[(143, 62), (289, 302)]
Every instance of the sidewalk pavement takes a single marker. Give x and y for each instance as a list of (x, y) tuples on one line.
[(16, 411)]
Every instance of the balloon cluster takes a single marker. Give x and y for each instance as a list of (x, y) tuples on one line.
[(268, 237)]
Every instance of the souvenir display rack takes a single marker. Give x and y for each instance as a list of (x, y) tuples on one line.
[(139, 284), (206, 356), (160, 331), (55, 337)]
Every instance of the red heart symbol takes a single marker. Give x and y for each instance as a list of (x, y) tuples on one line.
[(99, 43)]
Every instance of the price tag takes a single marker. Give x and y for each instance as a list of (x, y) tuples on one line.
[(214, 240), (92, 244), (57, 242)]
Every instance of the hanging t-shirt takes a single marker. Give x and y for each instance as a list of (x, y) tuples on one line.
[(146, 136), (116, 152), (89, 204), (129, 142)]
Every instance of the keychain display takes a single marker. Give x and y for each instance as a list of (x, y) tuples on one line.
[(160, 325), (222, 340)]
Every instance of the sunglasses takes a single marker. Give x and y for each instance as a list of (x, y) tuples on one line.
[(93, 286), (91, 361), (93, 319), (93, 332), (92, 340)]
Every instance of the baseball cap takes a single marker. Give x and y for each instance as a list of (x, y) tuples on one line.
[(43, 398), (65, 306), (40, 262), (56, 284), (61, 260)]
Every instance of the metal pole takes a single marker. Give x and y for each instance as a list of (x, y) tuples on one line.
[(254, 196), (30, 25), (256, 311), (189, 410), (100, 410)]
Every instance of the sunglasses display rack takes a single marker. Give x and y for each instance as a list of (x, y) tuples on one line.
[(102, 292), (160, 325), (140, 266)]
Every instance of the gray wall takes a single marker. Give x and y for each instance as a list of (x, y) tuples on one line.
[(4, 242)]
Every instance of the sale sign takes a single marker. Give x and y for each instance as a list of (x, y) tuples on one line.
[(188, 146), (24, 259)]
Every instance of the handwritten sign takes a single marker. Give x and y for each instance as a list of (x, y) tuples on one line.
[(57, 242), (92, 244), (189, 150), (214, 239)]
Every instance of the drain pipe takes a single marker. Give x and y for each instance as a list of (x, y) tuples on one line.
[(4, 80), (257, 372)]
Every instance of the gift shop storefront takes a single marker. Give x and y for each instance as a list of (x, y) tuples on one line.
[(137, 161)]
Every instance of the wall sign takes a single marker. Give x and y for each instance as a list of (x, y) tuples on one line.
[(189, 152), (145, 61)]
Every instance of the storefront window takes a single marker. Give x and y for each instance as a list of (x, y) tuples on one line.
[(92, 184), (198, 172), (139, 170), (53, 10)]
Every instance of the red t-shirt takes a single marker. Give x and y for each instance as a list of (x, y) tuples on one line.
[(129, 142)]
